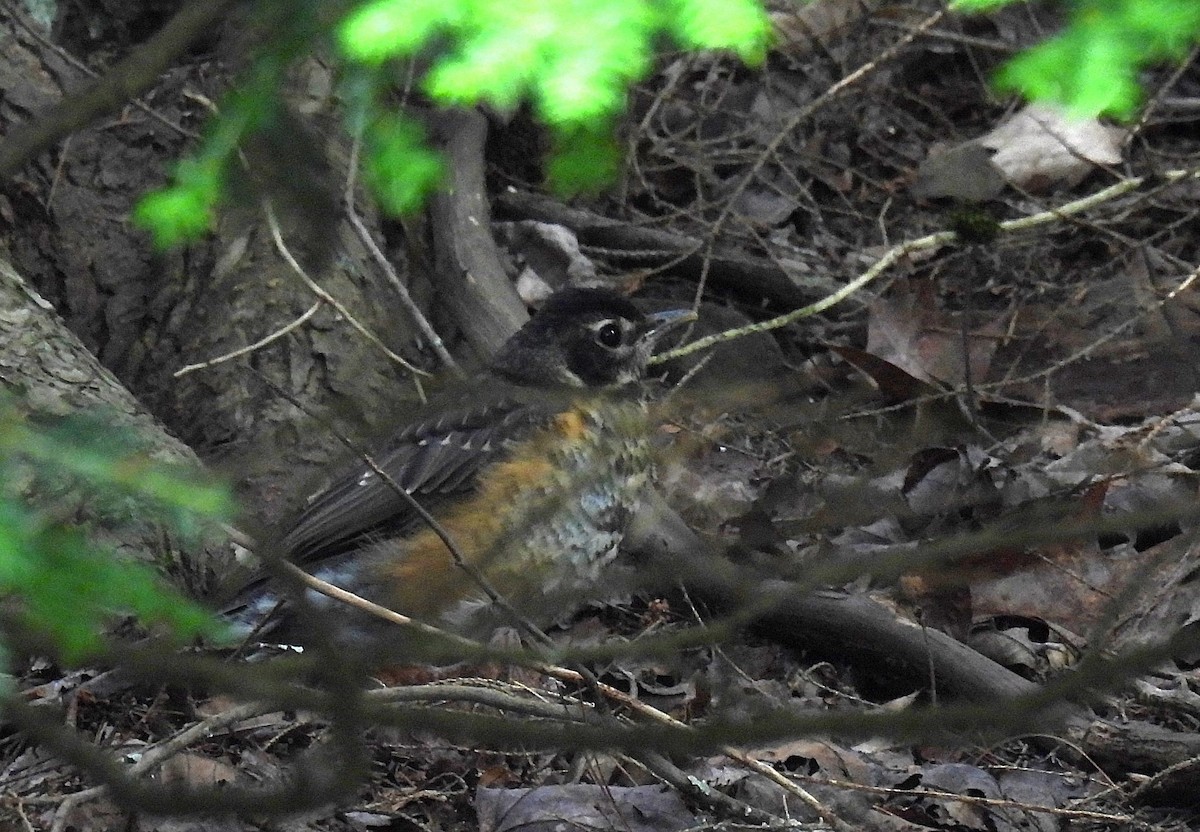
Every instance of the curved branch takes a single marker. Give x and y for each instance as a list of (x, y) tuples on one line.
[(128, 79)]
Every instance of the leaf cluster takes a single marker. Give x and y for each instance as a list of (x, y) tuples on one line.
[(1092, 65), (572, 59), (58, 579)]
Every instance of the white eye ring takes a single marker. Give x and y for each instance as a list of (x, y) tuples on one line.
[(609, 334)]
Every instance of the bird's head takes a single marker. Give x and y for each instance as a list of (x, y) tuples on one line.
[(592, 338)]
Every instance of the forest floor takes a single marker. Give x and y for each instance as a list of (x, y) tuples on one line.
[(1021, 395)]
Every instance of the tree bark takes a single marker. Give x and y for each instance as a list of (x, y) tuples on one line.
[(56, 375), (145, 314), (470, 272)]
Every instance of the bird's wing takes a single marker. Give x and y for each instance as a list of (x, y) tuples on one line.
[(430, 460)]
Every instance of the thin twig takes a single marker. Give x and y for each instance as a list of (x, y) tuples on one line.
[(126, 79), (91, 73), (389, 271), (249, 348), (564, 674), (456, 553), (371, 608), (158, 753), (789, 128), (972, 800), (932, 242), (277, 236)]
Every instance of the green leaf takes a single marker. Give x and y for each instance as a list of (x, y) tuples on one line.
[(1092, 65), (174, 215), (1170, 27), (184, 211), (490, 66), (592, 65), (583, 160), (978, 5), (56, 579), (1090, 69), (110, 459), (71, 591), (740, 25), (389, 28), (398, 165)]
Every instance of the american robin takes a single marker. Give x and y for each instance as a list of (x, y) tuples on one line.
[(532, 468)]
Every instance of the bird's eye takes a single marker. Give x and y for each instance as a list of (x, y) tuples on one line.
[(609, 335)]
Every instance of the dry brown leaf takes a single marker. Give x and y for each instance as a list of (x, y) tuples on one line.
[(1042, 147), (907, 329), (822, 21), (551, 808), (965, 173)]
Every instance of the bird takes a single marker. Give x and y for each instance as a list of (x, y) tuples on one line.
[(532, 469)]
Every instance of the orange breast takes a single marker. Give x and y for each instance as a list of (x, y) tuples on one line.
[(540, 523)]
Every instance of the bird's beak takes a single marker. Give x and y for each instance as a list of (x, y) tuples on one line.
[(660, 323)]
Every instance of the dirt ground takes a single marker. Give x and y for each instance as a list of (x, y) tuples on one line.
[(961, 499)]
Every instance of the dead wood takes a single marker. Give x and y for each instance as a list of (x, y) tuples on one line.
[(736, 271), (471, 276)]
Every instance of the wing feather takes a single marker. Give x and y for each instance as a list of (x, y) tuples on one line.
[(431, 460)]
